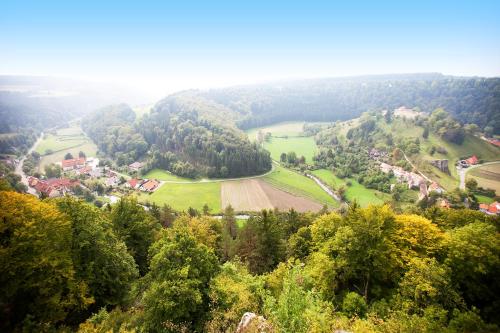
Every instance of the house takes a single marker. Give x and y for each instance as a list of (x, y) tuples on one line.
[(136, 166), (150, 185), (86, 170), (484, 207), (53, 187), (472, 160), (134, 183), (434, 187), (112, 181), (495, 142), (494, 208), (73, 163)]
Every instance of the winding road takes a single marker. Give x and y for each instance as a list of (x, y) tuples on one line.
[(462, 172), (19, 166)]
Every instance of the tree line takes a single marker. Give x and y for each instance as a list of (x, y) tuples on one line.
[(470, 100), (125, 269)]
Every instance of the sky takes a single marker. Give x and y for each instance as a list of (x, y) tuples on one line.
[(164, 46)]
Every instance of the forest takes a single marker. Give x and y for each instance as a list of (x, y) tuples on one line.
[(175, 137), (470, 100), (187, 143), (124, 269)]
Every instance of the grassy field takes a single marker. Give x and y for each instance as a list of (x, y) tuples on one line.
[(302, 146), (356, 191), (298, 184), (183, 196), (164, 175), (88, 148), (63, 139), (281, 129), (487, 176), (484, 199), (286, 137)]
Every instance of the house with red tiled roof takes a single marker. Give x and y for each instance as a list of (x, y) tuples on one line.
[(150, 185), (134, 183), (73, 163), (472, 160), (53, 187), (494, 208), (484, 207), (495, 142), (86, 170)]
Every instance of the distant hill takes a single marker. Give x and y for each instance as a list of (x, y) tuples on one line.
[(29, 104), (468, 99)]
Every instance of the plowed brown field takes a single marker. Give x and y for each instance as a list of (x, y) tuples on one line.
[(256, 194)]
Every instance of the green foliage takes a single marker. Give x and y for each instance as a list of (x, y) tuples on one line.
[(99, 257), (297, 309), (136, 228), (260, 243), (38, 281), (232, 292), (185, 142), (354, 305), (112, 130), (177, 282), (52, 171), (427, 283), (474, 258)]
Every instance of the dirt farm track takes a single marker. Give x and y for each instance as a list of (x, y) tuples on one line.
[(256, 194)]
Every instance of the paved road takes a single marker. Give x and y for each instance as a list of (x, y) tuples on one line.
[(463, 171), (324, 187), (19, 166), (204, 180)]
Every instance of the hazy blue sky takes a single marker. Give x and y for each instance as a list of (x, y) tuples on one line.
[(171, 45)]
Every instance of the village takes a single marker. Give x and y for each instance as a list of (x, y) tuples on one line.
[(87, 177)]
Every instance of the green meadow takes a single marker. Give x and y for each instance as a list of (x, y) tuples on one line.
[(295, 183), (356, 191)]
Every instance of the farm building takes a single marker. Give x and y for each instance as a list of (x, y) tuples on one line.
[(136, 166), (73, 163), (54, 187), (150, 185)]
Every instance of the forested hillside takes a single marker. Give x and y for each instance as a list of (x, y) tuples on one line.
[(124, 269), (112, 129), (180, 131), (469, 99), (179, 136), (30, 104)]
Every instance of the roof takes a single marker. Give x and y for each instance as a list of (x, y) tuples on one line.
[(484, 206), (133, 182), (495, 142), (136, 165), (472, 160), (150, 185), (73, 162)]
